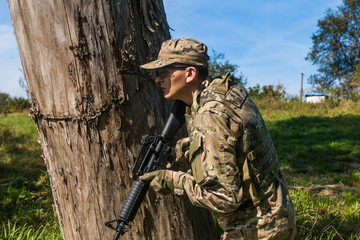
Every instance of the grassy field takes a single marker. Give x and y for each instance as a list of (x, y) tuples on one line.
[(319, 150), (25, 195), (318, 146)]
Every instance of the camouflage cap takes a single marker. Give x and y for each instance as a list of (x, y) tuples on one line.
[(182, 50)]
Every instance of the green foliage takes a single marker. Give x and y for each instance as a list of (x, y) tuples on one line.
[(25, 195), (3, 100), (336, 49), (12, 104), (293, 108), (267, 91), (218, 66), (16, 104), (356, 177)]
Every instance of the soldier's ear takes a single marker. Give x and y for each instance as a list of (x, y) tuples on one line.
[(190, 74)]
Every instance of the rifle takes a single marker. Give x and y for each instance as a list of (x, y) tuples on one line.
[(157, 153)]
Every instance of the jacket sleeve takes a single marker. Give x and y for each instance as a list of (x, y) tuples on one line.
[(215, 179)]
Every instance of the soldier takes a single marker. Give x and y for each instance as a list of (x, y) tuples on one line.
[(234, 166)]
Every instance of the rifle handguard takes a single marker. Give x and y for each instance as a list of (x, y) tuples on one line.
[(155, 158), (130, 207)]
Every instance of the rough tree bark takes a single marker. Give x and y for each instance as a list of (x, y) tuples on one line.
[(93, 105)]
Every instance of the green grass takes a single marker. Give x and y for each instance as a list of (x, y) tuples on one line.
[(25, 195), (11, 231), (331, 215), (318, 147), (319, 151)]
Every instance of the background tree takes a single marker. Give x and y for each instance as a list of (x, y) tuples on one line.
[(336, 49), (356, 82), (16, 104), (92, 106), (12, 104), (276, 92), (218, 66), (3, 100)]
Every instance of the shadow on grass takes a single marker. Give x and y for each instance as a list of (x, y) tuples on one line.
[(317, 145), (327, 225), (22, 172), (20, 155), (321, 153)]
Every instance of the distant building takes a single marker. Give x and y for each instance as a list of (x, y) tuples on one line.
[(315, 97)]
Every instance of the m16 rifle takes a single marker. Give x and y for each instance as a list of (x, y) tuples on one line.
[(153, 155)]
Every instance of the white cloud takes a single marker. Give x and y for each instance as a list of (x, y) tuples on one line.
[(9, 62), (7, 39)]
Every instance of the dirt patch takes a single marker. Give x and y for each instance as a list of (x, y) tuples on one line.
[(328, 190)]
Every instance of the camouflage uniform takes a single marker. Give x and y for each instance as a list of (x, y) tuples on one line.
[(234, 166), (235, 169)]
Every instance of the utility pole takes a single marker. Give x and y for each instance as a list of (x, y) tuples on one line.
[(301, 90)]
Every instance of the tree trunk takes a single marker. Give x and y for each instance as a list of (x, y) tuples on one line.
[(93, 105)]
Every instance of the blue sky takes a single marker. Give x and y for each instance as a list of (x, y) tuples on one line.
[(268, 40)]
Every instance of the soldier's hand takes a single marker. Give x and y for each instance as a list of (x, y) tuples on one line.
[(161, 181), (182, 150)]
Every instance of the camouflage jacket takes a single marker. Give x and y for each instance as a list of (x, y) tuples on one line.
[(234, 165)]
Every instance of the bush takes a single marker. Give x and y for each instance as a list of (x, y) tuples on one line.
[(12, 104), (269, 92), (3, 102)]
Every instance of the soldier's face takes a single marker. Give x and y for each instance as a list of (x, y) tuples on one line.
[(172, 82)]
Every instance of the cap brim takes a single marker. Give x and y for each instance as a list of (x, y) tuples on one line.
[(151, 65), (157, 64)]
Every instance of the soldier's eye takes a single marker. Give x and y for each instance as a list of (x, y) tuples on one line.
[(162, 73)]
